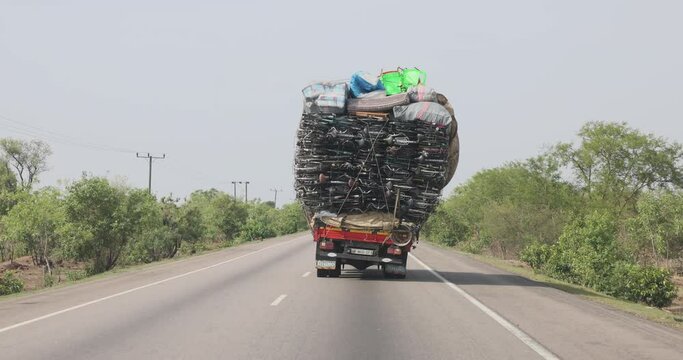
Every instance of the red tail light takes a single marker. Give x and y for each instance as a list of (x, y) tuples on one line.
[(326, 245), (394, 250)]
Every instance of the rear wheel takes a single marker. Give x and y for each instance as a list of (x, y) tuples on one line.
[(394, 274)]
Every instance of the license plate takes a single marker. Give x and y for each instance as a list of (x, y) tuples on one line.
[(326, 264), (362, 252)]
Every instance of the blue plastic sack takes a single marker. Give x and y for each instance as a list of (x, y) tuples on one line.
[(362, 83)]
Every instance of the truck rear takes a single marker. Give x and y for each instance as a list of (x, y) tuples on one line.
[(362, 244)]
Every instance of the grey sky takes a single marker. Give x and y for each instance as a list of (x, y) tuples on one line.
[(216, 86)]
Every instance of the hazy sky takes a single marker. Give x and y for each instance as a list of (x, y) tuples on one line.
[(216, 86)]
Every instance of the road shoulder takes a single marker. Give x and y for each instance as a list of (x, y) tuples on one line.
[(641, 311)]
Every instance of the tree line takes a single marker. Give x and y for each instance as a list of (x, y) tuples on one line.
[(605, 212), (105, 224)]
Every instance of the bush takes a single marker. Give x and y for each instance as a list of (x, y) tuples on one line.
[(48, 279), (103, 218), (536, 255), (75, 275), (35, 222), (586, 251), (229, 215), (153, 245), (646, 284), (290, 219), (190, 225), (259, 224), (10, 284)]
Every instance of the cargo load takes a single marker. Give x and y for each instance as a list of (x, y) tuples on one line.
[(374, 166)]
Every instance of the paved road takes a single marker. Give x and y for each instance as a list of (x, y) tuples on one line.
[(263, 301)]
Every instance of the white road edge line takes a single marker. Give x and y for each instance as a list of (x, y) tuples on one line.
[(521, 335), (279, 299), (306, 274), (47, 316)]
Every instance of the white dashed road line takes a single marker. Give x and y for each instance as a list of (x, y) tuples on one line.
[(47, 316), (279, 299)]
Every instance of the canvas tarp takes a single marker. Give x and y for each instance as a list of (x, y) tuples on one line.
[(370, 220)]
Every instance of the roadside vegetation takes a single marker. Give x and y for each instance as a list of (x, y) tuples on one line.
[(49, 235), (605, 212)]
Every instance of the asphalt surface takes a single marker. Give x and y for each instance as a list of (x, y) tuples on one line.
[(263, 301)]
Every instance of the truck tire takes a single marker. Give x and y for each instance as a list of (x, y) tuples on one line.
[(388, 275)]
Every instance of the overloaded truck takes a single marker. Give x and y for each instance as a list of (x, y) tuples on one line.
[(372, 156)]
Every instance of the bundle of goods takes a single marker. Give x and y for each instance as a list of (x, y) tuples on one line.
[(373, 145)]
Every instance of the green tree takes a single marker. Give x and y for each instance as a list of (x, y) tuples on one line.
[(155, 236), (614, 163), (26, 158), (190, 225), (228, 215), (505, 208), (103, 218), (8, 181), (36, 222), (203, 201), (657, 228)]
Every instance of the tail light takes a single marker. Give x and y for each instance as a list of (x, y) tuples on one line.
[(326, 245), (394, 250)]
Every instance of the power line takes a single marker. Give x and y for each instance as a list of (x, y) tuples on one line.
[(150, 157), (48, 135)]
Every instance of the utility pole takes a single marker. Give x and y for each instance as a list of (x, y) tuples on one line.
[(275, 191), (234, 189), (150, 157), (246, 189)]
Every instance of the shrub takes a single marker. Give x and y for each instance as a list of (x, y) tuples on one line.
[(153, 245), (190, 225), (655, 287), (103, 218), (48, 279), (646, 284), (35, 222), (229, 215), (290, 219), (259, 224), (10, 284), (585, 251), (536, 255), (475, 246), (75, 275)]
